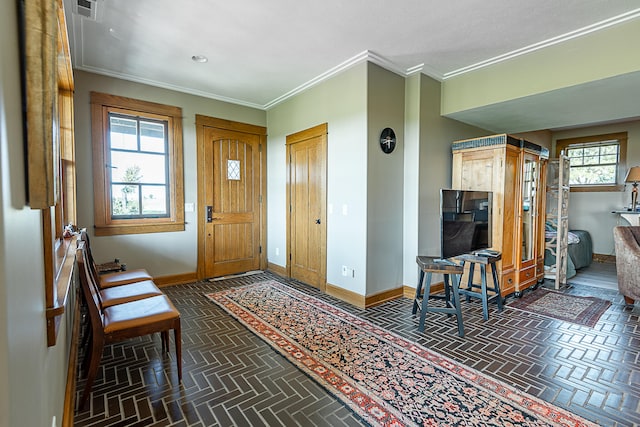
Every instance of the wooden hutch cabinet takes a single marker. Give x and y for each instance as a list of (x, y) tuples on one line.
[(514, 170)]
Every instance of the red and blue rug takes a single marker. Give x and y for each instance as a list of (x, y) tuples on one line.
[(386, 379), (585, 311)]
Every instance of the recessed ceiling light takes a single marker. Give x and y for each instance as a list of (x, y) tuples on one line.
[(199, 58)]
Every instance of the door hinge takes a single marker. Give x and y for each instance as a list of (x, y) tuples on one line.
[(260, 198), (260, 148), (260, 249), (290, 258)]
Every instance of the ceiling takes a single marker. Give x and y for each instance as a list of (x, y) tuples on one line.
[(260, 53)]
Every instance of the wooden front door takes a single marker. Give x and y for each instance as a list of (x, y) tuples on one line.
[(230, 198), (307, 156)]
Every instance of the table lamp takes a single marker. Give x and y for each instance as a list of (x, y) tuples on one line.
[(633, 176)]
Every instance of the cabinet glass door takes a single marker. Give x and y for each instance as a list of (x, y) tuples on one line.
[(529, 203)]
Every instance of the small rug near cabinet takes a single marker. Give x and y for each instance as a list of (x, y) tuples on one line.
[(584, 311), (383, 377)]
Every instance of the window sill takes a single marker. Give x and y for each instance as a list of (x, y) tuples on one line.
[(596, 188), (114, 230), (65, 257)]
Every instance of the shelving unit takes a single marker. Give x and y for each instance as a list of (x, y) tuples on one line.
[(557, 215)]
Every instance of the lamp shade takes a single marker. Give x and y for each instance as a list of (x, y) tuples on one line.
[(633, 175)]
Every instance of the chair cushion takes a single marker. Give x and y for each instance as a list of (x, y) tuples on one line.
[(127, 293), (123, 278), (138, 314)]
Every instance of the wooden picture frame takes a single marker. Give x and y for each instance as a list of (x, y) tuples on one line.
[(41, 47)]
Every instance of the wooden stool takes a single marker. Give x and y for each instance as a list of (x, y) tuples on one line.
[(480, 290), (451, 297)]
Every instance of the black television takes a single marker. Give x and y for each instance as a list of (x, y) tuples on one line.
[(465, 220)]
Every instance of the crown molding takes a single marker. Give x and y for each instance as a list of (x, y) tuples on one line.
[(633, 14), (355, 60), (365, 56), (168, 86)]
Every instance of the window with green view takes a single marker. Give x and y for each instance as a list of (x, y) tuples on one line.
[(594, 164), (138, 167)]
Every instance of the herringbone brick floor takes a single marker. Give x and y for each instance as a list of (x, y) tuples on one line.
[(231, 377)]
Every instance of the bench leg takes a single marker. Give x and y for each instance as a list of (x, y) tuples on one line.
[(425, 302), (97, 344), (177, 335), (418, 292), (455, 280), (496, 285), (483, 292), (470, 280)]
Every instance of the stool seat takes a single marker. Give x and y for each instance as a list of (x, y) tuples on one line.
[(451, 270)]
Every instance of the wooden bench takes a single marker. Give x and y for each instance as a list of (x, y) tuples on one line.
[(124, 321)]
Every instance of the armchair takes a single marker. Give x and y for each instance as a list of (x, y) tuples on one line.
[(627, 245)]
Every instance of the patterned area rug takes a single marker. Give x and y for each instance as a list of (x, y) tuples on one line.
[(584, 311), (386, 379)]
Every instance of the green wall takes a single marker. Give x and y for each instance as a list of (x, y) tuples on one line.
[(604, 54)]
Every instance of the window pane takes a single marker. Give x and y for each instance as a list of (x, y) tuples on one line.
[(591, 160), (609, 149), (233, 170), (138, 167), (609, 158), (154, 200), (124, 200), (152, 137), (123, 133), (575, 156), (593, 175)]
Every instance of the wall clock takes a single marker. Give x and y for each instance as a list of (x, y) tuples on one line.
[(387, 140)]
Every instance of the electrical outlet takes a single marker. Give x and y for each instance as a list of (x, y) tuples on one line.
[(277, 251), (53, 422), (345, 270)]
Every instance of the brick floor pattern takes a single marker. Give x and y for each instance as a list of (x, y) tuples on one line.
[(232, 378)]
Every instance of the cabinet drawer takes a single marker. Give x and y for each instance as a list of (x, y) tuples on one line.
[(527, 275), (508, 283)]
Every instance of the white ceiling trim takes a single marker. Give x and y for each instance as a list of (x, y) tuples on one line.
[(362, 56), (164, 85), (354, 60), (546, 43), (366, 55)]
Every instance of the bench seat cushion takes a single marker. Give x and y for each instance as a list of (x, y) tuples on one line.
[(123, 278), (127, 293), (137, 314)]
